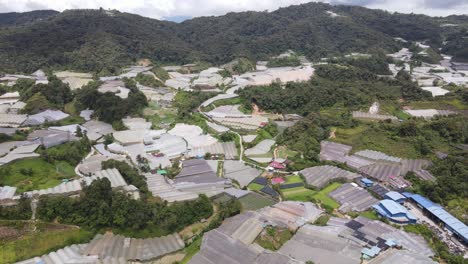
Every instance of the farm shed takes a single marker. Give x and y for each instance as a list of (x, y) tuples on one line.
[(321, 244), (109, 246), (75, 186), (395, 212), (438, 213), (11, 120), (425, 175), (50, 137), (45, 117), (240, 172), (370, 116), (7, 192), (376, 233), (320, 176), (333, 151), (395, 196), (353, 198), (160, 187), (376, 156)]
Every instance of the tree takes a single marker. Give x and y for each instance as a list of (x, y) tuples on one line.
[(37, 103)]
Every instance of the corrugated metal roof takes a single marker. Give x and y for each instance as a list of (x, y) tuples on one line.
[(450, 221), (395, 196)]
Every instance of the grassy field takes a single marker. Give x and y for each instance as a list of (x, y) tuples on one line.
[(254, 186), (47, 238), (43, 175), (298, 193), (191, 250), (371, 214), (440, 103), (323, 197), (272, 238), (284, 152), (364, 137), (158, 115), (255, 201), (293, 179)]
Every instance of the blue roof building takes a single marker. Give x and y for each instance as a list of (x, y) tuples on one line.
[(438, 213), (395, 196), (367, 182), (394, 212)]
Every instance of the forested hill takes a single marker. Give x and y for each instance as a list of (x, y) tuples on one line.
[(103, 41), (14, 18)]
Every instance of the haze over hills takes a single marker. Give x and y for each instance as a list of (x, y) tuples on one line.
[(104, 41)]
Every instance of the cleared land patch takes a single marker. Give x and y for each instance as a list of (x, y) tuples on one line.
[(46, 238), (34, 174), (255, 201)]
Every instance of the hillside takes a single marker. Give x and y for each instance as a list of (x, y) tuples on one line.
[(15, 19), (103, 41)]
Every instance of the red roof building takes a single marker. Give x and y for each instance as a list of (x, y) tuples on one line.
[(277, 180), (277, 165)]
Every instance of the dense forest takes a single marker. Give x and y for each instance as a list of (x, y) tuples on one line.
[(94, 40), (100, 207), (347, 85)]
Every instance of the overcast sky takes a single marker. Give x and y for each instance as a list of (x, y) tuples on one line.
[(173, 9)]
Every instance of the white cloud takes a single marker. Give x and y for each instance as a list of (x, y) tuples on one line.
[(193, 8)]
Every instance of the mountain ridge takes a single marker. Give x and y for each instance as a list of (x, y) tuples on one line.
[(103, 41)]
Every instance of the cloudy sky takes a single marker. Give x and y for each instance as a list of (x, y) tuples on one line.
[(176, 9)]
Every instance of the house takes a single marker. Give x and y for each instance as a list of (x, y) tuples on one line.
[(395, 196), (394, 212), (277, 180), (277, 165)]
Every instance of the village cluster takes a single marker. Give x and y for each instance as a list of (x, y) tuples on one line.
[(368, 182)]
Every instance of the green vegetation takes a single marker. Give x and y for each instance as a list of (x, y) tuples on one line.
[(242, 65), (291, 60), (18, 136), (186, 102), (39, 97), (322, 220), (370, 214), (267, 132), (35, 173), (21, 211), (293, 179), (47, 238), (148, 80), (377, 63), (70, 152), (100, 207), (191, 250), (298, 194), (272, 238), (254, 186), (104, 44), (255, 201), (439, 247), (160, 73), (160, 116), (130, 174), (323, 198), (109, 107)]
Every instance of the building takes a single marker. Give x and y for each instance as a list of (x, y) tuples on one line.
[(394, 212), (395, 196), (366, 182), (438, 214)]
